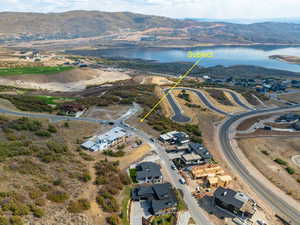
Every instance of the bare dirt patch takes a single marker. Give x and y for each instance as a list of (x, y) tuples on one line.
[(73, 80), (225, 108), (111, 112), (263, 151), (246, 124), (295, 97)]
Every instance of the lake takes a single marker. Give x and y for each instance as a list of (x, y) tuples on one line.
[(223, 55)]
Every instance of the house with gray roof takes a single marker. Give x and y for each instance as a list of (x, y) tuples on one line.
[(234, 202), (161, 197), (148, 172)]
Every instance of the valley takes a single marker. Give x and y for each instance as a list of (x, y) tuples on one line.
[(98, 126)]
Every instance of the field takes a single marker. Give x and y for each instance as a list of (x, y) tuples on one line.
[(294, 97), (43, 175), (34, 70), (272, 157)]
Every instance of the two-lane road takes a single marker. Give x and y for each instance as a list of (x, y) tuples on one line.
[(281, 206)]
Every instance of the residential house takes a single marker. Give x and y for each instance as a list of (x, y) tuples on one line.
[(288, 118), (161, 197), (201, 151), (234, 202), (296, 126), (175, 137), (110, 139), (217, 181), (208, 170), (148, 172), (191, 159)]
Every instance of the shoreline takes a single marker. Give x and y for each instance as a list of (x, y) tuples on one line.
[(286, 59)]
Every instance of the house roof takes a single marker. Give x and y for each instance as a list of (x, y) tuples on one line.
[(200, 150), (231, 197), (161, 196), (191, 156), (147, 169), (159, 205), (297, 125)]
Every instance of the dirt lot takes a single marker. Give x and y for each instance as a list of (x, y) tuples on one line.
[(262, 152), (226, 108), (246, 124), (73, 80), (295, 97), (157, 80), (106, 113)]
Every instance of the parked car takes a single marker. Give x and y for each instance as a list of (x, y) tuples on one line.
[(182, 181), (261, 222), (173, 167)]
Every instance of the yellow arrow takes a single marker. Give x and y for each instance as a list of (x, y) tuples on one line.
[(169, 91)]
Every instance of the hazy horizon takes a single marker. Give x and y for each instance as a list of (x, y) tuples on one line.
[(212, 9)]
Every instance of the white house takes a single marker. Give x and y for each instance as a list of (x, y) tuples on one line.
[(109, 139)]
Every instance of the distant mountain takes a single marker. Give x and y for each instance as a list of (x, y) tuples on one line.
[(138, 29), (295, 20)]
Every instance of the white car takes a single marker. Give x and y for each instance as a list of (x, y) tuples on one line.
[(261, 222)]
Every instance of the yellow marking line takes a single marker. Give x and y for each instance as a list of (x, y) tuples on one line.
[(166, 94)]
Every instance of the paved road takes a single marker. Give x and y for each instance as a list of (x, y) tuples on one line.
[(55, 118), (180, 117), (178, 112), (237, 99), (280, 205), (197, 213)]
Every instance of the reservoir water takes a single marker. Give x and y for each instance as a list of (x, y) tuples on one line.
[(223, 55)]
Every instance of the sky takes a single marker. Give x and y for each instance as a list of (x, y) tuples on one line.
[(220, 9)]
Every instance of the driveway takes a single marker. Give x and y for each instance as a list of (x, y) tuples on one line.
[(139, 210)]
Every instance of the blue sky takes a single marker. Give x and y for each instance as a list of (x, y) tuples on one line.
[(251, 9)]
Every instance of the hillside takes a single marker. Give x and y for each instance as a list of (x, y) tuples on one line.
[(137, 28)]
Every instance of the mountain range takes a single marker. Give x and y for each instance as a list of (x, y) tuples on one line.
[(137, 28)]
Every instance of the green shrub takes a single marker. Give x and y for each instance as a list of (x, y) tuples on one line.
[(35, 194), (290, 170), (25, 124), (265, 152), (113, 220), (85, 177), (52, 129), (57, 196), (37, 212), (44, 187), (4, 220), (79, 206), (16, 220), (17, 208), (57, 147), (43, 133), (111, 153), (57, 182), (132, 173), (40, 202), (281, 162), (86, 156)]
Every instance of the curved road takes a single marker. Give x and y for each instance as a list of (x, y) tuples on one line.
[(178, 112), (280, 205), (237, 99)]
